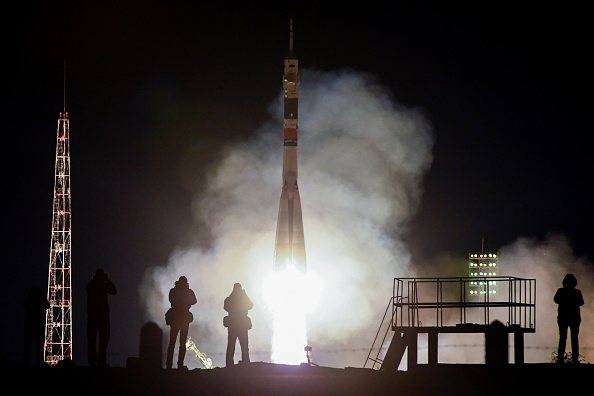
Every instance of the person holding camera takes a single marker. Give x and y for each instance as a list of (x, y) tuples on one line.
[(237, 323), (179, 318), (98, 317)]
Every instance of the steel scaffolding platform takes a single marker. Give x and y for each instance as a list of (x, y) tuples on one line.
[(444, 305)]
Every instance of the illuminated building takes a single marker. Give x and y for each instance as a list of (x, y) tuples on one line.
[(482, 266)]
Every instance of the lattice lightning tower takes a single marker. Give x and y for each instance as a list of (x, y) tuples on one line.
[(58, 322)]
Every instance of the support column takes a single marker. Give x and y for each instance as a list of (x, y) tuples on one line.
[(411, 338), (518, 347), (432, 348)]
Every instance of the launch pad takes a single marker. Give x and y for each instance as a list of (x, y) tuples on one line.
[(444, 305)]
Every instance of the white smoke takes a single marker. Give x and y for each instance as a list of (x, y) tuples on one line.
[(361, 161)]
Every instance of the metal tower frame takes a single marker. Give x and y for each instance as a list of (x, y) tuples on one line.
[(58, 322)]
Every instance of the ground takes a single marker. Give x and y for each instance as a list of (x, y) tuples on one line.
[(276, 379)]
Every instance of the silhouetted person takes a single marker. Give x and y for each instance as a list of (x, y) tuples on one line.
[(570, 300), (238, 323), (35, 306), (98, 317), (179, 318)]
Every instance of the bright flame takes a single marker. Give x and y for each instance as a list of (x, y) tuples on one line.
[(291, 294)]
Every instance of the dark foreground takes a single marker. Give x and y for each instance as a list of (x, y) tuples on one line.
[(274, 379)]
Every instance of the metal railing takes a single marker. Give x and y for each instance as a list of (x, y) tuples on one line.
[(448, 302), (376, 359)]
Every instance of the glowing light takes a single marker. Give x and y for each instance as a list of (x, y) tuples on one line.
[(291, 294)]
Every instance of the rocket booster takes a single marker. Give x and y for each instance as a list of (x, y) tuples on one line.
[(290, 241)]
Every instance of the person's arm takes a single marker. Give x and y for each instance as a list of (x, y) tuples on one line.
[(557, 297), (248, 303), (111, 289)]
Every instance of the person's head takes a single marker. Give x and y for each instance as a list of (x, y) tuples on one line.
[(570, 281), (183, 281), (100, 274), (35, 291), (237, 287)]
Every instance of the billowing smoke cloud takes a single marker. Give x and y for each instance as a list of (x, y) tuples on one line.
[(361, 160)]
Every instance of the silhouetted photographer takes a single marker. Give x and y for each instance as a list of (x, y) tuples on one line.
[(179, 318), (238, 323), (98, 317), (570, 300)]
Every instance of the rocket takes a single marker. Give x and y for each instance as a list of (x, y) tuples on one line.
[(289, 247)]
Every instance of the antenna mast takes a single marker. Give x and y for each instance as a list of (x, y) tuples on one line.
[(64, 85), (291, 35), (58, 321)]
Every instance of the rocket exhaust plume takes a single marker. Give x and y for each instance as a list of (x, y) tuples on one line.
[(362, 160)]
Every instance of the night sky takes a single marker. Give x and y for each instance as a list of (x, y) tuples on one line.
[(157, 92)]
